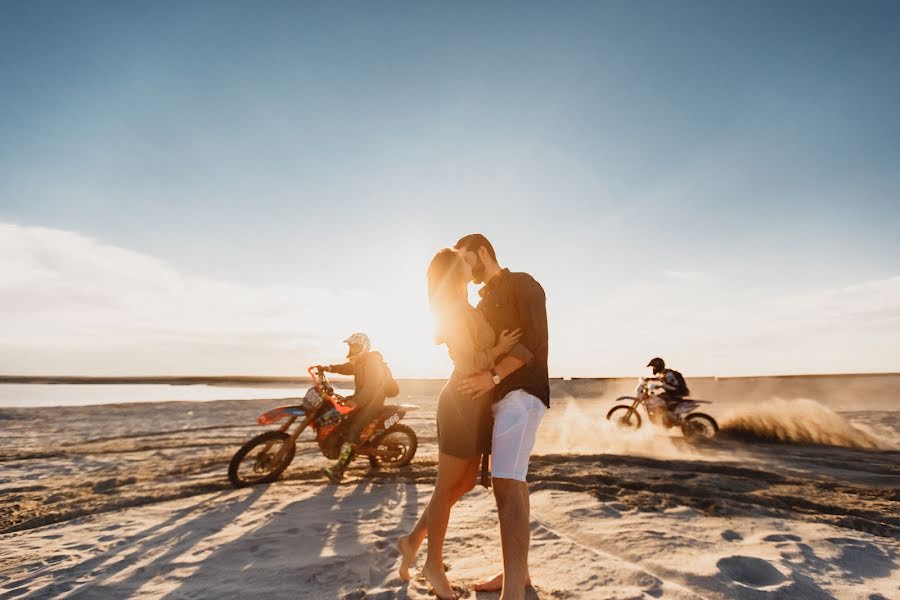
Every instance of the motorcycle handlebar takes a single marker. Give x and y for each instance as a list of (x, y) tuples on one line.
[(317, 373)]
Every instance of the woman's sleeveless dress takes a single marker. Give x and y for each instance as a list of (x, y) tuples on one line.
[(464, 424)]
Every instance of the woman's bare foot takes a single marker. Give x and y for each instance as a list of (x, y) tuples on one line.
[(438, 580), (407, 557), (494, 584)]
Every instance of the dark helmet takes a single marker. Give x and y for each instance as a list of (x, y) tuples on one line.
[(658, 365)]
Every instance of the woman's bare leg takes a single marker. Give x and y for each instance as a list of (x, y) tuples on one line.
[(410, 543)]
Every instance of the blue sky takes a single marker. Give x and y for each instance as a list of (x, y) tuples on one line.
[(696, 179)]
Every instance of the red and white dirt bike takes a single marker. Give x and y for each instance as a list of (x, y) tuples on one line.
[(385, 440), (695, 426)]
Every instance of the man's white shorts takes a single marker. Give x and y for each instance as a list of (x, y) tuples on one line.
[(516, 420)]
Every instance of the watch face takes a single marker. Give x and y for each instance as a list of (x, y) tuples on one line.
[(496, 379)]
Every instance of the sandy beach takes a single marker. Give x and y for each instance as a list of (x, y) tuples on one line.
[(131, 500)]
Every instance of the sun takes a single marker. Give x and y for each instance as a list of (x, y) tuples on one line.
[(405, 336)]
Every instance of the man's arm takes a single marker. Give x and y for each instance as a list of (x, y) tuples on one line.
[(532, 306), (508, 365), (344, 369)]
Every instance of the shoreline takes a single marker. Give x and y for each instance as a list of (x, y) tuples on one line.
[(269, 380)]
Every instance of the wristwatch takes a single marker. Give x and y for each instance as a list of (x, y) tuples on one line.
[(494, 377)]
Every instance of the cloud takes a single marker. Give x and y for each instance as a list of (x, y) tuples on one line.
[(711, 329), (70, 304), (66, 295)]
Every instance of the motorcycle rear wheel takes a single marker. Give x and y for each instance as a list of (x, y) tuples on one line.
[(698, 427), (274, 451), (401, 442), (623, 420)]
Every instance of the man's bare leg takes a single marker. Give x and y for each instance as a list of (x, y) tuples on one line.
[(513, 508), (495, 584)]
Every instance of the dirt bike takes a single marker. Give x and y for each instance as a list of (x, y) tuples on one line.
[(264, 458), (695, 426)]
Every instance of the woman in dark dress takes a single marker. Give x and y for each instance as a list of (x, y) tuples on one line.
[(464, 424)]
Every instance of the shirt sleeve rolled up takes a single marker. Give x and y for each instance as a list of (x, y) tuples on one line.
[(532, 308)]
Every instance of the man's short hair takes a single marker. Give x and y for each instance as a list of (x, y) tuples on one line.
[(473, 242)]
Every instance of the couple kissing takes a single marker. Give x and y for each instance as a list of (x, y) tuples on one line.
[(492, 406)]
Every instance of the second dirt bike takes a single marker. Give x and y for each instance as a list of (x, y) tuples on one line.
[(695, 426), (385, 441)]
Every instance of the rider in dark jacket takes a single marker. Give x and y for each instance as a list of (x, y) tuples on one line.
[(371, 379), (672, 382)]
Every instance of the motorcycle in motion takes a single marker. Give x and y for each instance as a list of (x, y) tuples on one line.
[(695, 426), (386, 441)]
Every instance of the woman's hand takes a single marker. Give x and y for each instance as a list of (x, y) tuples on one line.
[(507, 340)]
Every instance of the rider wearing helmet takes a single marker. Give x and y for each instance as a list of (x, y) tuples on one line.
[(372, 380), (674, 387)]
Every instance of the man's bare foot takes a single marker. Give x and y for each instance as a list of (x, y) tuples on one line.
[(438, 580), (495, 584), (407, 557)]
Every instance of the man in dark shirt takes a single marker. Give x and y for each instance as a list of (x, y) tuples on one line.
[(672, 390), (520, 388)]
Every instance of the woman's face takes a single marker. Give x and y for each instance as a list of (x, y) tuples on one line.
[(466, 271)]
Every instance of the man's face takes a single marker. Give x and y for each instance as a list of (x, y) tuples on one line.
[(475, 263), (353, 350)]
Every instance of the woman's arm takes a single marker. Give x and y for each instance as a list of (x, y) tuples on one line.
[(504, 344)]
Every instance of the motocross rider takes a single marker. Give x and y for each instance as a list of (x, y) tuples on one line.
[(671, 388), (371, 378)]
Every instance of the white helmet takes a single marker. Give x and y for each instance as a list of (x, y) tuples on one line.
[(361, 340)]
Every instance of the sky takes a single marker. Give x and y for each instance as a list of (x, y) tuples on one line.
[(235, 187)]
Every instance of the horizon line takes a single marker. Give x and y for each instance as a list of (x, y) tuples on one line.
[(207, 379)]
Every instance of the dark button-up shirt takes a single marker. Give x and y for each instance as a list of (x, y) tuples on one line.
[(517, 301)]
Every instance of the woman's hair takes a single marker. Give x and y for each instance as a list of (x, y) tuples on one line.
[(447, 291)]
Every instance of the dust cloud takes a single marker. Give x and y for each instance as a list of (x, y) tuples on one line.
[(800, 421)]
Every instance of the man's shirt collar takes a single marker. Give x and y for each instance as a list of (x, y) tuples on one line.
[(493, 282)]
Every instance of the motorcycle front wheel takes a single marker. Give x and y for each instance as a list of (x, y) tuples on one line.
[(399, 443), (619, 415), (698, 427), (261, 460)]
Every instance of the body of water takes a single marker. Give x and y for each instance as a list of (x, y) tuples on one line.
[(43, 395)]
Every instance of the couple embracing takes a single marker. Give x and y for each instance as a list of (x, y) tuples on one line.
[(492, 404)]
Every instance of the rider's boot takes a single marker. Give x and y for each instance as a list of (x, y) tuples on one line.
[(336, 471)]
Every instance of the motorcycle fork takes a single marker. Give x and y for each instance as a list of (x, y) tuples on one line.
[(303, 424), (293, 436)]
